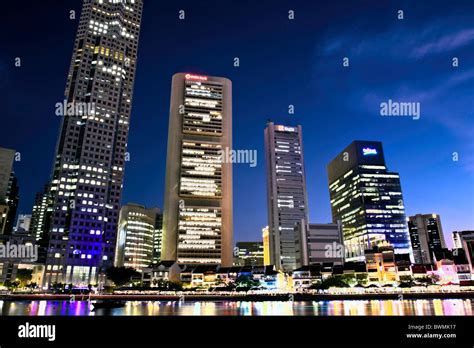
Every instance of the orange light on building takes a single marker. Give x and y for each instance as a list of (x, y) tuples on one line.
[(266, 246)]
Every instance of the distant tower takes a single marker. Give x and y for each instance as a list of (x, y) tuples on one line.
[(286, 192), (9, 191), (426, 234)]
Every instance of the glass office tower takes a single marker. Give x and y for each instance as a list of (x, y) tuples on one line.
[(368, 200)]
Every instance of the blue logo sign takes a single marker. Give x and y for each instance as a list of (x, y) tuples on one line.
[(367, 151)]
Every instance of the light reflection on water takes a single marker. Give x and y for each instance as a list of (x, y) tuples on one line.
[(246, 308)]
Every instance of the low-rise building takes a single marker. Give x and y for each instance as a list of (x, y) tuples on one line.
[(452, 267), (419, 271), (165, 270), (381, 266), (403, 264), (307, 275)]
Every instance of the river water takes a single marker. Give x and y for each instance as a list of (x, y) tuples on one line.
[(245, 308)]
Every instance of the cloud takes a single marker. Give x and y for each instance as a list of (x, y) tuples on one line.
[(401, 42), (444, 85), (445, 43)]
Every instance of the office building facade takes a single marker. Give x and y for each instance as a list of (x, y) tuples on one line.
[(320, 243), (249, 254), (368, 200), (136, 236), (426, 234), (197, 221), (286, 192), (41, 215), (465, 240), (9, 191), (158, 238), (23, 223), (7, 157), (87, 177)]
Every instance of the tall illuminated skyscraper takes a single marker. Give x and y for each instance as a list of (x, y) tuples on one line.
[(136, 236), (286, 192), (197, 221), (87, 178), (368, 200)]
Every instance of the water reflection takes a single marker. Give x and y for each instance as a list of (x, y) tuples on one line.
[(246, 308)]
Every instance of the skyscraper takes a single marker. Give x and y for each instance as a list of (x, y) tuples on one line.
[(368, 200), (197, 221), (9, 191), (136, 236), (286, 192), (426, 234), (87, 177)]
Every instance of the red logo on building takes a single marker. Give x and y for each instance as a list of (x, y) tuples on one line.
[(195, 77)]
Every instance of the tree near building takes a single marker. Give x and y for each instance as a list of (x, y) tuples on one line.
[(24, 276), (334, 281), (246, 282), (430, 279), (121, 275)]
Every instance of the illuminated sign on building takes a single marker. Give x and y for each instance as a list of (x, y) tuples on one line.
[(367, 151), (285, 129), (195, 77)]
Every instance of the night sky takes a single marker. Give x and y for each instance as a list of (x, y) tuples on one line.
[(282, 62)]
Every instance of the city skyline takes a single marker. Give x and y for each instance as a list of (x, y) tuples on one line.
[(440, 171), (219, 161)]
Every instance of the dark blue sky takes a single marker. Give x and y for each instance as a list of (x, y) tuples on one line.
[(282, 62)]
